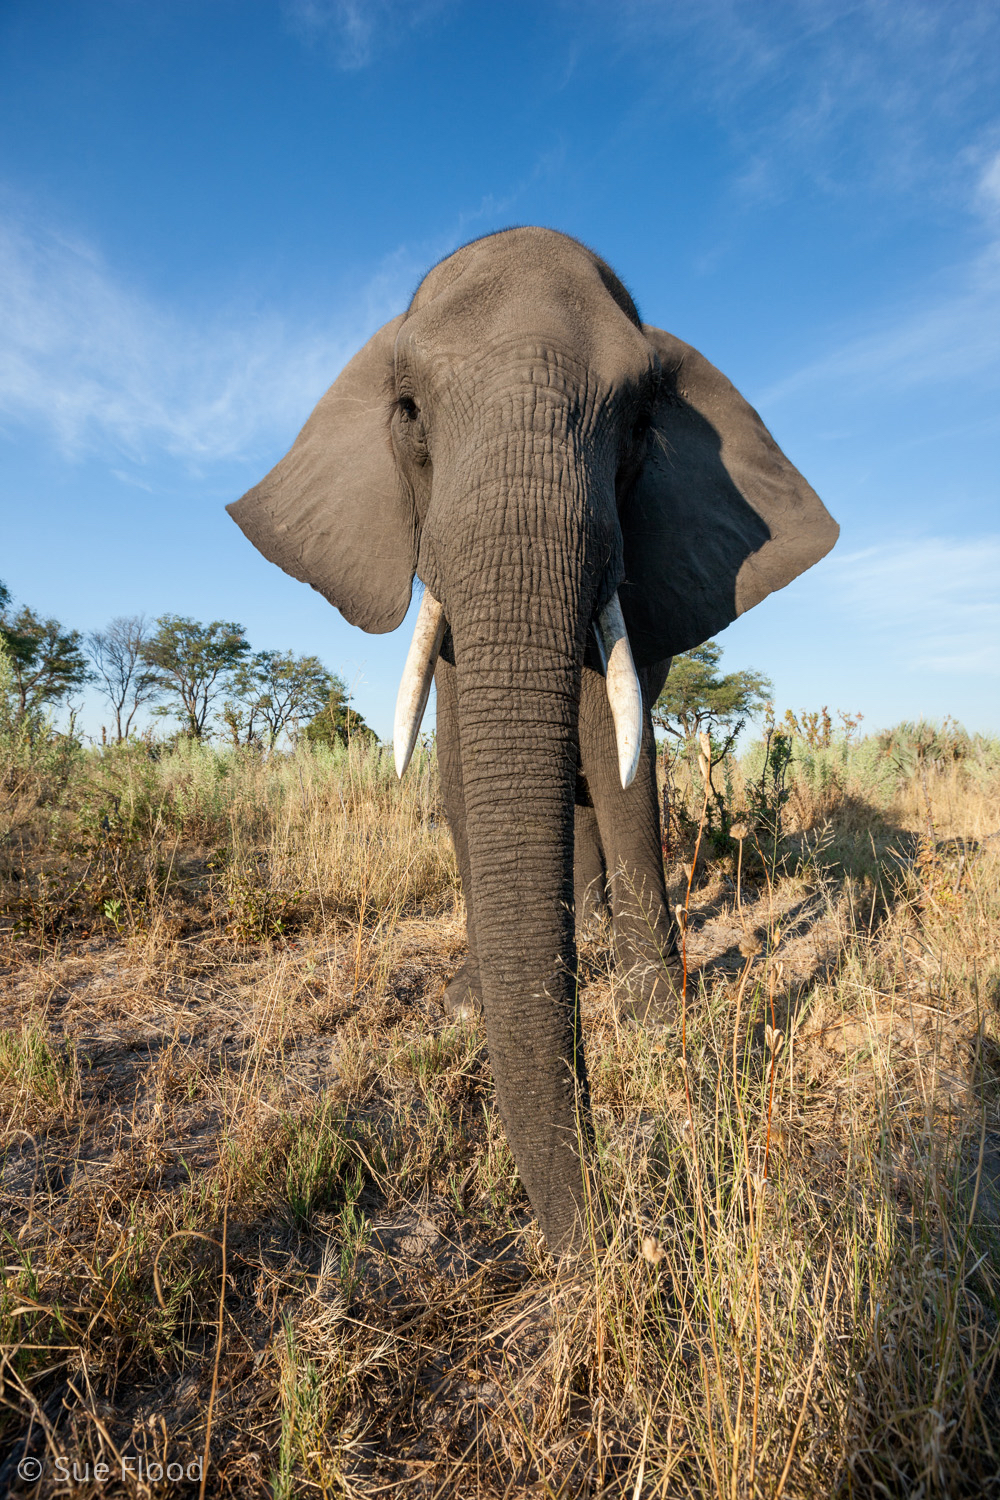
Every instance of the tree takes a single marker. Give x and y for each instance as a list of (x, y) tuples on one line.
[(194, 663), (696, 698), (46, 661), (271, 691), (337, 722), (122, 675)]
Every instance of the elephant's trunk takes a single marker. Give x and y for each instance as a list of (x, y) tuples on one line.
[(519, 755), (519, 601)]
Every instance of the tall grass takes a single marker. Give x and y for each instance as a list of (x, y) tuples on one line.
[(102, 837), (246, 1165)]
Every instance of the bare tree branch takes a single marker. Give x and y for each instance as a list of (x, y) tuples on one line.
[(121, 673)]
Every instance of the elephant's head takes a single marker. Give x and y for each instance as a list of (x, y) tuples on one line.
[(525, 444)]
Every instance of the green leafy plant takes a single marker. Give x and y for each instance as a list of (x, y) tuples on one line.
[(318, 1157), (338, 722), (45, 660), (193, 664), (112, 909), (355, 1232), (697, 698), (270, 692), (257, 911)]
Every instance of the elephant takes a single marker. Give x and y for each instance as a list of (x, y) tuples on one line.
[(582, 496)]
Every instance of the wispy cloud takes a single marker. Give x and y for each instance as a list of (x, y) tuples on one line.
[(494, 209), (354, 31), (98, 362), (931, 605), (944, 335), (988, 188), (952, 338), (846, 99)]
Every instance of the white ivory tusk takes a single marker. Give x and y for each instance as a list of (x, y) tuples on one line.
[(418, 674), (624, 693)]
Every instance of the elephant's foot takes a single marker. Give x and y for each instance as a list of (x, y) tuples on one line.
[(653, 995), (462, 996)]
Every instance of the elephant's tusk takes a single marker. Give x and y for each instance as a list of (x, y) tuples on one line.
[(418, 674), (624, 693)]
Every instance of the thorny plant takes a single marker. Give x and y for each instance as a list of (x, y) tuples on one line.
[(717, 814), (724, 811)]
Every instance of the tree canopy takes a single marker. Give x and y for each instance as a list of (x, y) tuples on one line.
[(204, 674), (697, 698), (337, 722), (46, 660), (193, 663), (271, 691)]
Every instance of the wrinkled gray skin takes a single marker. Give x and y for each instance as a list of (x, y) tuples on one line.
[(617, 859), (525, 445)]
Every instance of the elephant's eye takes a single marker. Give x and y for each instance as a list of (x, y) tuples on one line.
[(409, 408), (640, 428)]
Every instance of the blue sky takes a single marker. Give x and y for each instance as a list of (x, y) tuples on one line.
[(206, 206)]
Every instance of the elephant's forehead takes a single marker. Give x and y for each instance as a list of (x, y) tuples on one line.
[(531, 289), (512, 251)]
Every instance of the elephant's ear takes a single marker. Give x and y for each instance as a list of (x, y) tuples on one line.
[(334, 512), (717, 519)]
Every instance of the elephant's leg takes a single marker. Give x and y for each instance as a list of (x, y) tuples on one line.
[(590, 890), (629, 824), (462, 998)]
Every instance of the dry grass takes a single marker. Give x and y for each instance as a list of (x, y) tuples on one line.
[(257, 1204)]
